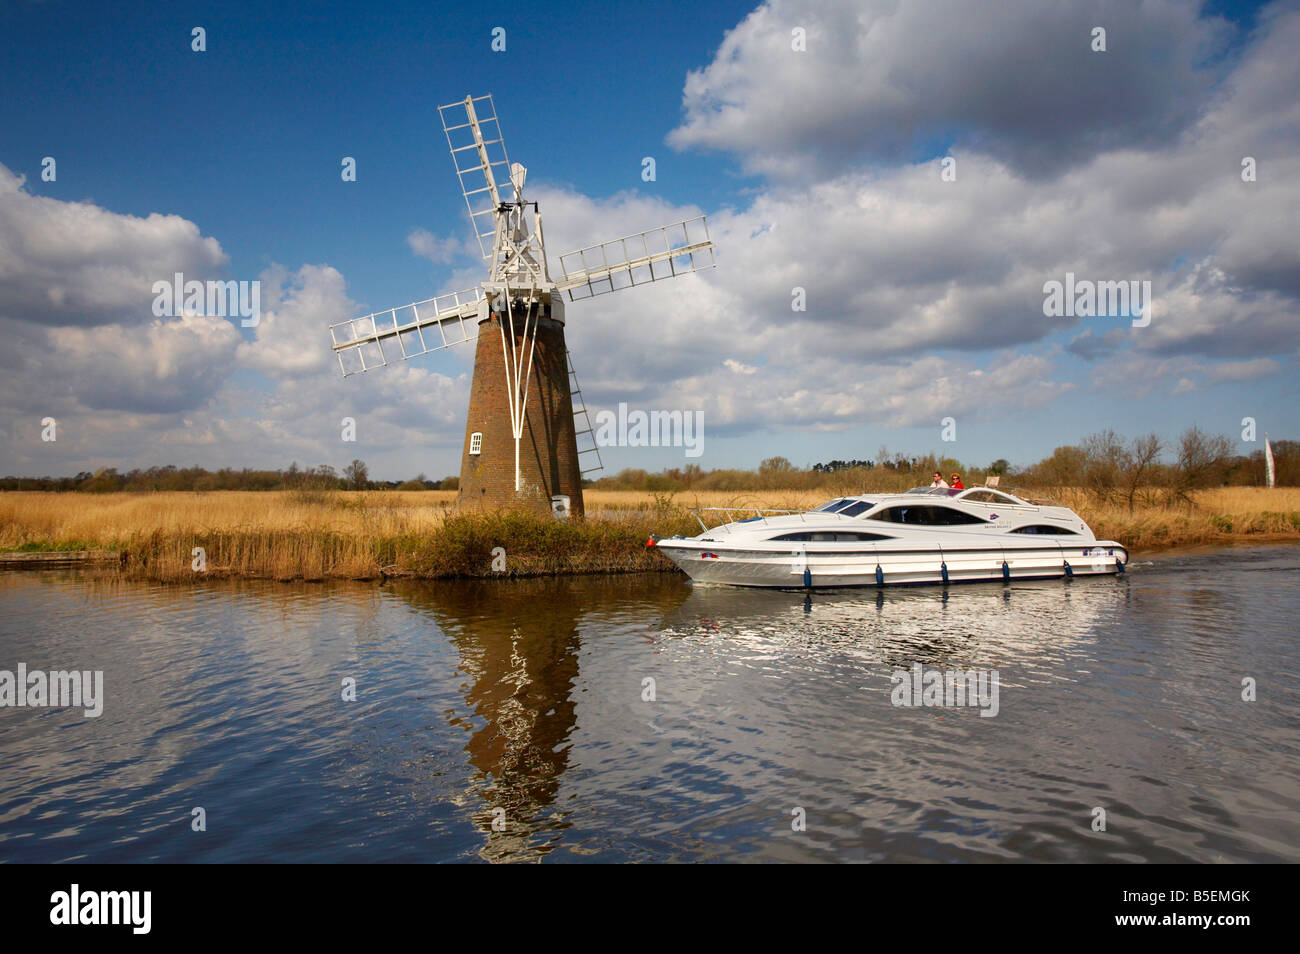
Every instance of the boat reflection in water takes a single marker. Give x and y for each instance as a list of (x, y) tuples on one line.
[(979, 623)]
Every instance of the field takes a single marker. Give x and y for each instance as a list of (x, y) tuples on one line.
[(366, 535)]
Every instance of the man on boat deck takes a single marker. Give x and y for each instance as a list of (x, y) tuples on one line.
[(939, 481)]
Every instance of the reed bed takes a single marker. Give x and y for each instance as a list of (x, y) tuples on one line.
[(293, 535), (1224, 515), (296, 535), (605, 502)]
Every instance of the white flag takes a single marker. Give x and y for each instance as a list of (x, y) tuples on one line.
[(1268, 460)]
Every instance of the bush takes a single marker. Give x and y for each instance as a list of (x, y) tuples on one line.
[(536, 544)]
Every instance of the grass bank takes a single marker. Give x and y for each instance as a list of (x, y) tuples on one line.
[(329, 535), (292, 535)]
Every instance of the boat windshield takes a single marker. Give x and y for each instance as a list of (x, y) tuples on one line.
[(845, 505)]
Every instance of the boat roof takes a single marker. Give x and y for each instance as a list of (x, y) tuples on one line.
[(946, 493)]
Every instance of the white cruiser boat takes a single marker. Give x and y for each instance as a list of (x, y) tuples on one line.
[(921, 536)]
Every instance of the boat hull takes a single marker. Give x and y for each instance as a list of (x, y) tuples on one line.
[(715, 563)]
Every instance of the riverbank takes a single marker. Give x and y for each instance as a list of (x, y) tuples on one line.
[(292, 535)]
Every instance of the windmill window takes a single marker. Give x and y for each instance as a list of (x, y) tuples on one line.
[(476, 442)]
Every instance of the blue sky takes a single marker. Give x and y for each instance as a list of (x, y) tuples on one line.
[(818, 169), (245, 139)]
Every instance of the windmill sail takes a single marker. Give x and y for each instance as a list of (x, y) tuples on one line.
[(479, 151), (408, 331), (1268, 461), (637, 259)]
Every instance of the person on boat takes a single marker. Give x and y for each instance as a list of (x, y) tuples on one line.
[(956, 482), (939, 481)]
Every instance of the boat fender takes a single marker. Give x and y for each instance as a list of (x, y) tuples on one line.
[(1069, 570), (1006, 571), (880, 576), (1119, 566), (943, 571), (807, 577)]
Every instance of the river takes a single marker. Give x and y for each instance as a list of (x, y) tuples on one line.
[(636, 718)]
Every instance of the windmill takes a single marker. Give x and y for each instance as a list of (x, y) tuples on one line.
[(521, 435)]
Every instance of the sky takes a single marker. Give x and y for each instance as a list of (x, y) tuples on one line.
[(920, 171)]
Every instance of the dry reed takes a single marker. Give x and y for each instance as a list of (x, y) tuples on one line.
[(293, 535)]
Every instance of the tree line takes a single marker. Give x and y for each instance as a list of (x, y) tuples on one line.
[(355, 476), (1110, 467)]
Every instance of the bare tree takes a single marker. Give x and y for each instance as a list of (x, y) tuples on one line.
[(1103, 462), (1202, 460), (775, 465), (357, 475), (1063, 469), (1139, 459)]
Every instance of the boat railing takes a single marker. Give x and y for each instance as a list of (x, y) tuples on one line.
[(758, 512)]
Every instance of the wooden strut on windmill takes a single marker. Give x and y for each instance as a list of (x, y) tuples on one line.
[(521, 436)]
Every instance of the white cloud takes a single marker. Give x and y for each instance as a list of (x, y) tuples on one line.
[(1244, 370), (439, 251), (162, 365), (74, 263), (292, 337), (884, 81)]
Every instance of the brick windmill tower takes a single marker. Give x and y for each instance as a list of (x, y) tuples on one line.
[(521, 437)]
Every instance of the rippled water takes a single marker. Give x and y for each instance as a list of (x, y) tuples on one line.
[(523, 703)]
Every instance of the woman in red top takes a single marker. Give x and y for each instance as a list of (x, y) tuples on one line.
[(956, 483)]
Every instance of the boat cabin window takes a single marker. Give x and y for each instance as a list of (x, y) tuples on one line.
[(855, 508), (1044, 528), (989, 496), (926, 516), (831, 505), (827, 536)]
